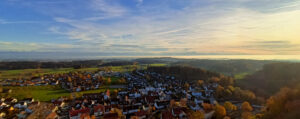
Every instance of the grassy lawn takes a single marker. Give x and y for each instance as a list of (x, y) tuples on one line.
[(45, 93), (125, 68), (41, 93), (241, 75), (157, 65), (114, 80)]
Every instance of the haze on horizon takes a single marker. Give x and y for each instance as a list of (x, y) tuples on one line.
[(150, 27)]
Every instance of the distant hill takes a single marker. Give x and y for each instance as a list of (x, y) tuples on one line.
[(227, 67), (157, 60), (36, 64), (117, 63), (184, 72), (272, 77)]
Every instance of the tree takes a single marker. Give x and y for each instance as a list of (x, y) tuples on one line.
[(214, 79), (122, 80), (226, 117), (226, 81), (219, 91), (183, 102), (114, 93), (134, 117), (220, 112), (246, 115), (200, 82), (172, 103), (229, 106), (186, 85), (246, 107), (69, 79), (1, 89), (248, 95), (285, 105), (231, 88), (207, 107), (197, 115), (71, 97), (108, 81), (118, 111), (89, 76), (147, 76), (227, 93), (108, 92)]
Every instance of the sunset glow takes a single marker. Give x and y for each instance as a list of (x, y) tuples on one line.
[(151, 27)]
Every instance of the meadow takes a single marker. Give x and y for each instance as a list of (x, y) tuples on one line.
[(28, 73), (45, 93)]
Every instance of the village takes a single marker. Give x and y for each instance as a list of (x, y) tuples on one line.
[(137, 94), (147, 94)]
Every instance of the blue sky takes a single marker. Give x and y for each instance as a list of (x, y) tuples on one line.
[(151, 27)]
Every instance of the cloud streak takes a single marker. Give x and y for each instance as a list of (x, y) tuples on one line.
[(164, 27)]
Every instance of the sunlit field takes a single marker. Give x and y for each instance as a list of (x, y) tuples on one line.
[(46, 93)]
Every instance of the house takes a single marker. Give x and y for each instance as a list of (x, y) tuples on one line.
[(28, 100), (166, 115), (134, 95), (52, 115), (22, 115), (57, 103), (21, 105), (150, 99), (111, 116), (198, 101), (197, 94), (99, 110), (161, 104), (2, 115), (195, 107), (75, 114), (141, 114), (178, 112), (130, 109)]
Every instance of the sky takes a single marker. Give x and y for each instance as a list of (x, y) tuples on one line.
[(150, 27)]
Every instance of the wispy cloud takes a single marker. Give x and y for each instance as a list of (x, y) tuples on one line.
[(175, 27), (2, 21), (106, 9)]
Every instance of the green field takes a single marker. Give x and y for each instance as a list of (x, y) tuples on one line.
[(28, 73), (241, 75), (128, 68), (45, 93)]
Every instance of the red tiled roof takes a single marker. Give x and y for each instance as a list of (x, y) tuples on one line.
[(51, 116), (101, 107), (150, 99), (177, 111), (167, 115), (111, 116), (76, 112), (140, 113)]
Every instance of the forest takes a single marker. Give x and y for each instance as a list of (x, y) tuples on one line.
[(272, 78), (12, 65)]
